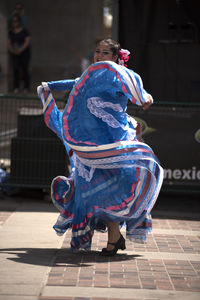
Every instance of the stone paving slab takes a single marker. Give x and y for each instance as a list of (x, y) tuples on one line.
[(15, 297), (4, 215), (113, 294), (27, 248)]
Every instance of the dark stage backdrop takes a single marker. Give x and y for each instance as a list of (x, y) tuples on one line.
[(163, 37)]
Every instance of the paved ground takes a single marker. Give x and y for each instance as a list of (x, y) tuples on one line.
[(36, 264)]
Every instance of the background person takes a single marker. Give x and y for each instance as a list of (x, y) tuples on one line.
[(19, 48), (18, 11)]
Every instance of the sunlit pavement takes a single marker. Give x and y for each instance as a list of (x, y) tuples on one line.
[(37, 264)]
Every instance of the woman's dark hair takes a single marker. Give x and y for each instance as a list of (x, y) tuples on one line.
[(114, 46)]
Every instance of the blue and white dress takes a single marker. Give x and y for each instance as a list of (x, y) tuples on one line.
[(115, 177)]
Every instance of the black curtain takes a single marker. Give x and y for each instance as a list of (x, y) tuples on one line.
[(163, 37)]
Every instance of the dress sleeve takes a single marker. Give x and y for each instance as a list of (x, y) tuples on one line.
[(61, 85), (52, 115), (142, 93)]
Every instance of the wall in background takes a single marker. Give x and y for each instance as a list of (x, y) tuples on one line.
[(61, 31)]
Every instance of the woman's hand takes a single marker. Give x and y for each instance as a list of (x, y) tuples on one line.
[(147, 104), (23, 47)]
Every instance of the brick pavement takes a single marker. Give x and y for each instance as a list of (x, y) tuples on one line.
[(168, 262)]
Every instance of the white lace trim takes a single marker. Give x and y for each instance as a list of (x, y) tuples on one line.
[(96, 105), (99, 103), (82, 171), (110, 160)]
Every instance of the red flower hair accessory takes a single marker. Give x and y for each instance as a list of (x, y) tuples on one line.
[(123, 57)]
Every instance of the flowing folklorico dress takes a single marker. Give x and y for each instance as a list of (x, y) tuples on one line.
[(114, 176)]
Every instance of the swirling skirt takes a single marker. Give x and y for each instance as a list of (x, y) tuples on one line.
[(123, 195)]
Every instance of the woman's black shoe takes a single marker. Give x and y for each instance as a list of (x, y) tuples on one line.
[(120, 244)]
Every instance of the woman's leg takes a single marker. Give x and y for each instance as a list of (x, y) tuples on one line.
[(113, 234), (16, 64)]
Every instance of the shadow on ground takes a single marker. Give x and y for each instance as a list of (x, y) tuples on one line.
[(54, 257)]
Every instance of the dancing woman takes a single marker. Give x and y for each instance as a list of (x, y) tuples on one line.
[(115, 179)]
